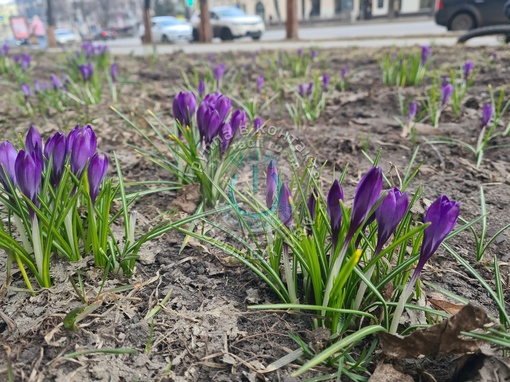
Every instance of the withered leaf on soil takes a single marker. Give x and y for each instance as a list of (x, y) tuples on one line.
[(441, 339), (187, 198), (386, 373)]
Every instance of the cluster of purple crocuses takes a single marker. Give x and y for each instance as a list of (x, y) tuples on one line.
[(92, 50), (23, 60), (441, 215), (27, 168), (212, 117)]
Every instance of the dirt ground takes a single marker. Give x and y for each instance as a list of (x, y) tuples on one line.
[(205, 331)]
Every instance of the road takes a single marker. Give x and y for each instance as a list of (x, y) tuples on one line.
[(366, 34)]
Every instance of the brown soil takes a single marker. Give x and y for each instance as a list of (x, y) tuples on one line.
[(205, 331)]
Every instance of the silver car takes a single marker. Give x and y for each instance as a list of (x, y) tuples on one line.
[(168, 29), (66, 37)]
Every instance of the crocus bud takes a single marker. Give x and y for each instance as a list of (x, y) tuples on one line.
[(8, 156), (366, 196), (285, 205), (201, 88), (260, 83), (223, 105), (469, 66), (445, 81), (300, 52), (97, 169), (25, 89), (389, 214), (208, 121), (326, 81), (33, 140), (344, 72), (184, 106), (258, 122), (40, 87), (312, 203), (313, 54), (84, 144), (301, 90), (446, 93), (225, 134), (56, 149), (442, 216), (28, 170), (271, 183), (238, 120), (86, 71), (309, 89), (413, 108), (218, 72), (114, 68), (425, 54), (5, 49), (335, 210), (55, 82), (487, 113)]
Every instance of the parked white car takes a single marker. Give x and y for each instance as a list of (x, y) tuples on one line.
[(66, 37), (230, 22), (168, 29)]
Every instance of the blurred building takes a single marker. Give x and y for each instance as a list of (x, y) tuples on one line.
[(275, 10)]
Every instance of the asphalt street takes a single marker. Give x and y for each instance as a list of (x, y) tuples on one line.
[(366, 34)]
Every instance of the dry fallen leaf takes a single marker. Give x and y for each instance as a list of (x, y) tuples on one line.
[(446, 306), (387, 373), (441, 339), (187, 198)]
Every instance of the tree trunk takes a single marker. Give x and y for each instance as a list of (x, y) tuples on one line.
[(292, 20), (52, 42), (147, 36), (391, 11), (205, 24), (277, 10)]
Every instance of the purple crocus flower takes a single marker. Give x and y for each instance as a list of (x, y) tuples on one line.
[(218, 73), (83, 143), (366, 196), (445, 81), (309, 89), (258, 122), (33, 143), (487, 113), (96, 172), (208, 122), (313, 54), (55, 150), (446, 93), (311, 204), (28, 171), (56, 83), (389, 214), (469, 66), (271, 183), (184, 106), (413, 108), (285, 205), (425, 54), (8, 156), (326, 81), (40, 87), (201, 88), (86, 71), (114, 68), (226, 135), (301, 90), (300, 52), (442, 216), (210, 57), (5, 49), (25, 89), (260, 83), (335, 194), (494, 56), (344, 72), (237, 121)]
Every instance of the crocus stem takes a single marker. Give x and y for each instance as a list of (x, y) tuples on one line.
[(363, 288), (335, 269), (38, 252), (24, 273), (68, 224), (289, 276), (22, 233), (402, 301)]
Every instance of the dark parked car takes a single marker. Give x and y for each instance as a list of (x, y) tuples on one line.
[(469, 14)]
